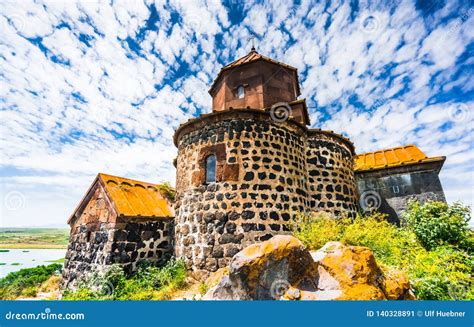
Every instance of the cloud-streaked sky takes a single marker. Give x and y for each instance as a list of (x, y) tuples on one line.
[(90, 87)]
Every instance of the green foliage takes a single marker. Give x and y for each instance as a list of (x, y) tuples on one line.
[(437, 223), (80, 294), (203, 288), (26, 281), (168, 190), (315, 231), (440, 273), (443, 273), (148, 283)]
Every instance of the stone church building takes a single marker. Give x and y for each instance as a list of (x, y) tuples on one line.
[(243, 172)]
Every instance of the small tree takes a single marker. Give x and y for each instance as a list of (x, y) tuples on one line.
[(436, 223)]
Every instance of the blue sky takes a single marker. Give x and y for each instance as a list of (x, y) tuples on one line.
[(92, 87)]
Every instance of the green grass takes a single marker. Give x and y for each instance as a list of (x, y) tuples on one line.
[(60, 260), (25, 282), (33, 238), (148, 283)]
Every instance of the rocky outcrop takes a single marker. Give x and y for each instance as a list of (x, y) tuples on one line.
[(282, 268)]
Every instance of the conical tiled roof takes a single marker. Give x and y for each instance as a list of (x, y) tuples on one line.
[(253, 56)]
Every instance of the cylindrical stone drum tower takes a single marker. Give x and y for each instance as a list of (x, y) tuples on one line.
[(260, 184)]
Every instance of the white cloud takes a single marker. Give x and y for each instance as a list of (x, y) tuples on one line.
[(114, 106)]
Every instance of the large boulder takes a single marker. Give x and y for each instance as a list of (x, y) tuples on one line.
[(282, 268), (265, 270)]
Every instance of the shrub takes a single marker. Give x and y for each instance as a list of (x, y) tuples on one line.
[(315, 231), (437, 223), (148, 283), (168, 190), (440, 273), (25, 282)]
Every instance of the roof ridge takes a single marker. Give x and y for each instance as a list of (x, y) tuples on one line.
[(393, 148), (102, 175), (256, 56)]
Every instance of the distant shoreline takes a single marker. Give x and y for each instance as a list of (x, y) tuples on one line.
[(33, 238), (26, 246)]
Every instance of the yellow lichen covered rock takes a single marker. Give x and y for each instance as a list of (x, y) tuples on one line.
[(353, 268), (216, 276), (397, 286), (282, 268), (265, 270)]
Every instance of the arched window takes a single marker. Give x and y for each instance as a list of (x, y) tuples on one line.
[(211, 169), (241, 92)]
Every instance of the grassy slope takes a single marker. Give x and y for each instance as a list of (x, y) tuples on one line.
[(33, 238)]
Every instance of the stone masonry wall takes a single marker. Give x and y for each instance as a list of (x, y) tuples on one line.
[(98, 239), (261, 185), (126, 244), (395, 187), (331, 175)]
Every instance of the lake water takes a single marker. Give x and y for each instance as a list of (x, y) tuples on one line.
[(27, 258)]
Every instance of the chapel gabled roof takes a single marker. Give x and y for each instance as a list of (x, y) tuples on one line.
[(130, 198), (251, 57), (392, 157), (134, 198)]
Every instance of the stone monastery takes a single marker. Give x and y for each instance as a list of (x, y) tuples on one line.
[(243, 173)]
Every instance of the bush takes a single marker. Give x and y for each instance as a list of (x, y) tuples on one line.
[(148, 283), (25, 282), (315, 231), (437, 223), (440, 273)]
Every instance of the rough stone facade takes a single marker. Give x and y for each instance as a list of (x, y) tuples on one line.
[(99, 237), (396, 186), (331, 174), (262, 182)]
